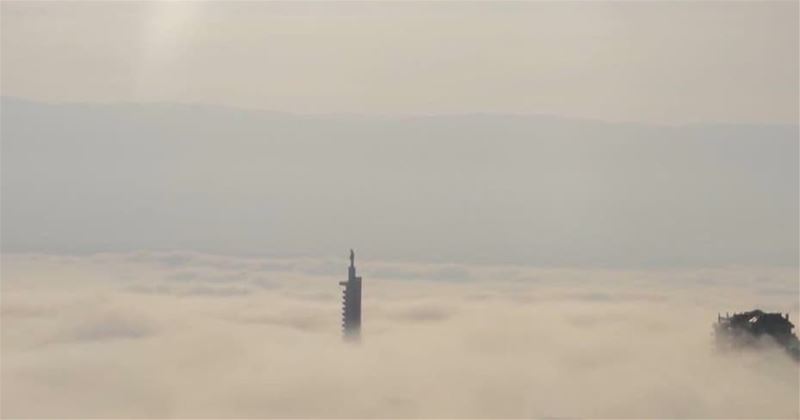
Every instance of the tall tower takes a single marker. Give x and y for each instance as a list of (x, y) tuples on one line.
[(351, 303)]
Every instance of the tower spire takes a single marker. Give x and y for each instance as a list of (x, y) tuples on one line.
[(351, 302)]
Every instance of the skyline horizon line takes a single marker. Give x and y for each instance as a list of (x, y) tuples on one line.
[(396, 115), (379, 260)]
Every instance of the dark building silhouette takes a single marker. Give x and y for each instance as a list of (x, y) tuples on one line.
[(351, 303), (746, 329)]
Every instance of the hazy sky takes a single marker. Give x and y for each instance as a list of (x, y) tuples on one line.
[(537, 190), (621, 61)]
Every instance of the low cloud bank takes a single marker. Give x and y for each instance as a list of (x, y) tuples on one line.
[(194, 335)]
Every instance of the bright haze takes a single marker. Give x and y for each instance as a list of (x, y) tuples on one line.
[(550, 203)]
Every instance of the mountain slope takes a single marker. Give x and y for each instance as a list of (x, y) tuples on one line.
[(481, 188)]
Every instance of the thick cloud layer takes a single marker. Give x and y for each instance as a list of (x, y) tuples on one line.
[(192, 335)]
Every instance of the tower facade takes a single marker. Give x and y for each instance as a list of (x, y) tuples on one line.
[(351, 303)]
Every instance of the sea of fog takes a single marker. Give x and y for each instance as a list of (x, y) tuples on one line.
[(180, 334)]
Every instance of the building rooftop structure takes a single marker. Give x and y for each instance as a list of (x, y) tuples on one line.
[(748, 329), (351, 303)]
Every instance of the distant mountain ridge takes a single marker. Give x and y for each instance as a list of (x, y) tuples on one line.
[(163, 106), (478, 188)]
